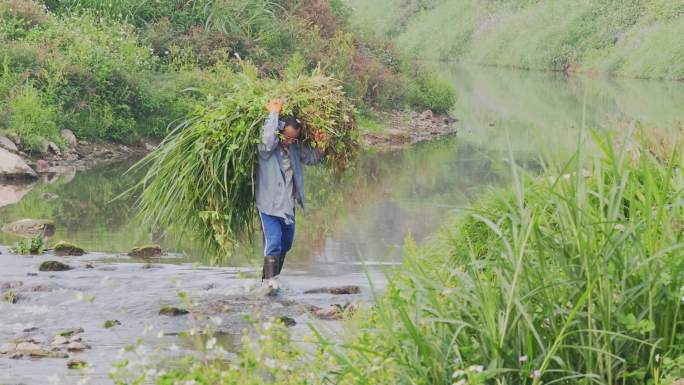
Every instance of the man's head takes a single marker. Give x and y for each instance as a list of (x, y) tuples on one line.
[(291, 130)]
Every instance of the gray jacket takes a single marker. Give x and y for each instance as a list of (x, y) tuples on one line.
[(271, 197)]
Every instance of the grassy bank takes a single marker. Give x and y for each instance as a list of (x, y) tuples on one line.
[(573, 277), (635, 38), (121, 70)]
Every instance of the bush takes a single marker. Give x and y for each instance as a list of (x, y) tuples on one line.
[(27, 115)]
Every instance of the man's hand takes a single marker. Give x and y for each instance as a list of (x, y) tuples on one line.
[(321, 139), (275, 105)]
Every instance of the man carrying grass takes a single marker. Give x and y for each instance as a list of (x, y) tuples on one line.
[(279, 183)]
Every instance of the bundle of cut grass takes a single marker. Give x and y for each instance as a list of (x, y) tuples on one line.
[(201, 178)]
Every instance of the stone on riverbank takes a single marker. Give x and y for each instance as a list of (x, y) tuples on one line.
[(30, 227), (13, 167), (63, 248), (338, 290), (53, 266), (334, 312), (7, 144), (69, 137), (172, 311), (147, 251)]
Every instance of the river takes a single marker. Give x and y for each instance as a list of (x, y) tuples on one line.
[(353, 229)]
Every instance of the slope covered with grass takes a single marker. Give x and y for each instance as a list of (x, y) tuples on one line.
[(125, 69), (635, 38)]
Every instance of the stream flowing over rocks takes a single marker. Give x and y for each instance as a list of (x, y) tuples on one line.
[(82, 311)]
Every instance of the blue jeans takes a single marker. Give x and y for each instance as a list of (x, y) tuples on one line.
[(278, 236)]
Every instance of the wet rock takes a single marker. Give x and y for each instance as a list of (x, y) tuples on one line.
[(30, 227), (334, 312), (13, 167), (338, 290), (147, 251), (89, 266), (110, 323), (70, 332), (53, 266), (8, 144), (69, 137), (53, 148), (77, 364), (8, 348), (172, 311), (63, 248), (287, 321), (77, 346), (60, 340)]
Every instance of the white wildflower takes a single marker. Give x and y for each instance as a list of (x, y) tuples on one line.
[(475, 368), (536, 373), (657, 358), (460, 382), (522, 359), (211, 343), (458, 373)]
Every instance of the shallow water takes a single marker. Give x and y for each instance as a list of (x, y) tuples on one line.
[(353, 228)]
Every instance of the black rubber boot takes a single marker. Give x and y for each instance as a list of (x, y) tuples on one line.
[(271, 265), (281, 262)]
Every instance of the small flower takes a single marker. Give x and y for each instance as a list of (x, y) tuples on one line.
[(682, 299), (657, 358), (475, 368), (458, 373), (522, 358), (536, 373), (460, 382)]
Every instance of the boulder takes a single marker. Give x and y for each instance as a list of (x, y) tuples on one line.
[(69, 137), (147, 251), (53, 266), (13, 167), (30, 227), (110, 323), (77, 364), (287, 321), (7, 144), (63, 248), (53, 148)]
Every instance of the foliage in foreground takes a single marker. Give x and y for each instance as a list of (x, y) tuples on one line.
[(201, 178), (574, 279)]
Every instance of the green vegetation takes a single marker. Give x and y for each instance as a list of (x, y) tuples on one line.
[(35, 246), (575, 276), (121, 70), (635, 38), (201, 178)]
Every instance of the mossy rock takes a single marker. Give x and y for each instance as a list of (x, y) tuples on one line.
[(287, 321), (110, 323), (172, 311), (63, 249), (53, 266), (147, 251)]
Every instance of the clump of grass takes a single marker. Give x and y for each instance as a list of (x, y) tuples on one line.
[(574, 279), (35, 246), (201, 178)]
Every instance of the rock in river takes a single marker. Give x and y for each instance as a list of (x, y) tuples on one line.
[(6, 143), (147, 251), (172, 311), (69, 137), (63, 248), (53, 266), (30, 227), (13, 167), (338, 290)]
